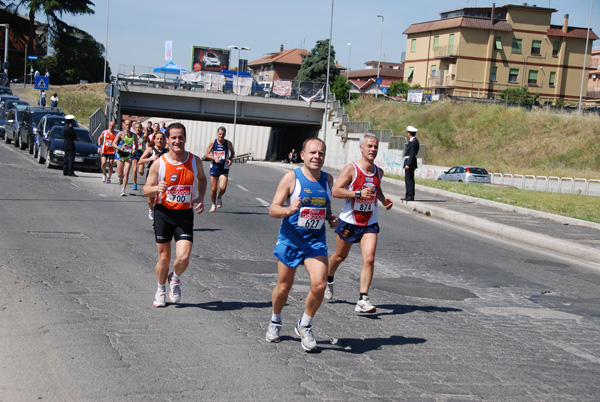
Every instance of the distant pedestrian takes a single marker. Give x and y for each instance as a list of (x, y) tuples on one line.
[(54, 100), (69, 136), (47, 73), (43, 98), (410, 163), (293, 156)]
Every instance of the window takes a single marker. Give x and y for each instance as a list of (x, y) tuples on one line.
[(451, 44), (493, 74), (409, 75), (433, 70), (552, 78), (517, 45), (513, 75), (555, 48), (413, 46), (536, 47), (532, 79), (498, 43), (436, 42)]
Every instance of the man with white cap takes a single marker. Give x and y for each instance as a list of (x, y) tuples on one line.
[(410, 163), (69, 136)]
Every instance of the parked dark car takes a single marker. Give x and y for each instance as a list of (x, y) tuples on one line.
[(466, 174), (31, 118), (45, 125), (12, 104), (86, 151), (5, 90), (11, 126)]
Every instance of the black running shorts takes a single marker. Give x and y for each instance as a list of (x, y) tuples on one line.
[(169, 223)]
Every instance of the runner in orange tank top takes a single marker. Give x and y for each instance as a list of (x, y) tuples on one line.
[(178, 182), (107, 150)]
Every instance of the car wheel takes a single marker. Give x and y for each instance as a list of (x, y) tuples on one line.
[(16, 141), (48, 164), (460, 181), (39, 156), (31, 147), (35, 150)]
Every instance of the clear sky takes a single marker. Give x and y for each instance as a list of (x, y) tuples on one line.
[(138, 29)]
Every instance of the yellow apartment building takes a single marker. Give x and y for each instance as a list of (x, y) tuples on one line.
[(478, 52)]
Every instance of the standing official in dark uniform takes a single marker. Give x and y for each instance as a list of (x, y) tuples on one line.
[(410, 163), (69, 136)]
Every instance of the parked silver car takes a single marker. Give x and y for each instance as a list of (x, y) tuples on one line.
[(466, 174)]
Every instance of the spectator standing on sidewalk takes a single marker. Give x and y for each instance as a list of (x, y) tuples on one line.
[(69, 136), (410, 163), (54, 100)]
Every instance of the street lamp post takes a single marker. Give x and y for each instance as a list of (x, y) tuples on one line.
[(379, 62), (587, 40), (106, 40), (348, 69), (325, 118), (239, 49)]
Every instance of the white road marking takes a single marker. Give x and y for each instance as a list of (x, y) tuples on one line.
[(263, 202), (242, 188)]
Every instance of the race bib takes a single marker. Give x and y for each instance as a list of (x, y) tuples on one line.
[(312, 218), (365, 204), (179, 194), (109, 143), (127, 148), (219, 154)]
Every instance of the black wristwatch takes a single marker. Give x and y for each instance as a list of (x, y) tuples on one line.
[(357, 194)]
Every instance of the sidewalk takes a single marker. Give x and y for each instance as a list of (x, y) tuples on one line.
[(572, 237)]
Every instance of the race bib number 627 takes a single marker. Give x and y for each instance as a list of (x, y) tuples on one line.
[(312, 218)]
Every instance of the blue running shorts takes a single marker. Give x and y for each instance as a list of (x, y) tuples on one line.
[(292, 256), (353, 233)]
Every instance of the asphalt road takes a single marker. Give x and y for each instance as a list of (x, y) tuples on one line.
[(461, 315)]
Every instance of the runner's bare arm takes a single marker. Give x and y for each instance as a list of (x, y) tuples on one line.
[(208, 155), (231, 153), (201, 178), (345, 178), (147, 156), (331, 218), (153, 186), (386, 201), (284, 190)]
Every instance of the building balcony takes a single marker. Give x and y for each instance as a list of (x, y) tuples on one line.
[(444, 81), (446, 52)]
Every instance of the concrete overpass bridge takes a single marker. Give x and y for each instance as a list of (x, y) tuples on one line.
[(291, 121)]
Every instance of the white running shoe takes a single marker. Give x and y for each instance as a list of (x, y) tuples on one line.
[(123, 192), (365, 306), (175, 293), (150, 214), (219, 202), (103, 178), (213, 208), (273, 332), (308, 340), (160, 299), (329, 291)]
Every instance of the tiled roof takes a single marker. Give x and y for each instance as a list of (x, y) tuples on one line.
[(458, 22), (290, 56), (579, 33), (372, 72)]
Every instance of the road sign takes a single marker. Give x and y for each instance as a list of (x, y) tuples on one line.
[(42, 82), (378, 81), (111, 90), (32, 57), (384, 90)]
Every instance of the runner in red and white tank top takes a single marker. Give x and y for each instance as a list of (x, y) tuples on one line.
[(362, 211), (360, 184)]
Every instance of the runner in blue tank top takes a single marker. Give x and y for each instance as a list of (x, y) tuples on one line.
[(221, 153), (302, 200)]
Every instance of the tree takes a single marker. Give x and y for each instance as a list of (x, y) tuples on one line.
[(53, 10), (519, 95), (76, 57), (314, 65), (401, 88), (341, 89)]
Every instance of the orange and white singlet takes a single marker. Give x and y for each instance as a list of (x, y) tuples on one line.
[(107, 141), (181, 181)]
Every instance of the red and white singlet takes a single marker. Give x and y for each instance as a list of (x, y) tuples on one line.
[(362, 211)]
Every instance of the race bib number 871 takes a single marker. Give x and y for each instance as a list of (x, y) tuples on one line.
[(312, 218), (179, 194)]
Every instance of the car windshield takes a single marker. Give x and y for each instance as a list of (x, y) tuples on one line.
[(82, 135), (36, 117), (57, 122), (5, 91)]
